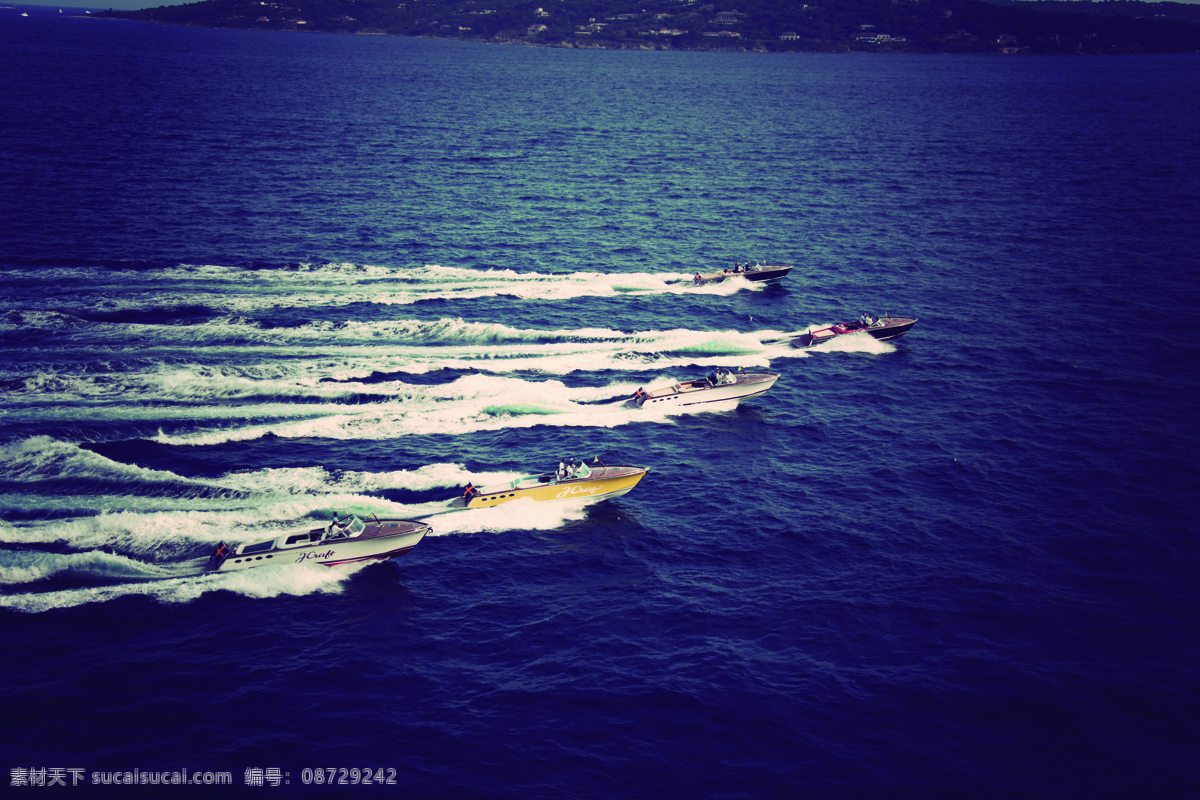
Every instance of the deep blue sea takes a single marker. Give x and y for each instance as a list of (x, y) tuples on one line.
[(250, 278)]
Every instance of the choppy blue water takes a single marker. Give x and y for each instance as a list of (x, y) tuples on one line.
[(251, 277)]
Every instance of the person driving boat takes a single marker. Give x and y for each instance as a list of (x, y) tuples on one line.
[(570, 468), (718, 376), (336, 529)]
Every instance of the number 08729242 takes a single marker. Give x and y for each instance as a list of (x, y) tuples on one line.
[(347, 776)]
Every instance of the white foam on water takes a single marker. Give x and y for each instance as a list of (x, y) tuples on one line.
[(260, 582), (332, 285), (290, 384), (523, 514), (28, 566), (859, 342), (318, 480), (43, 457), (471, 403)]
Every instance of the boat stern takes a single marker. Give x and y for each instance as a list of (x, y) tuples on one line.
[(217, 559)]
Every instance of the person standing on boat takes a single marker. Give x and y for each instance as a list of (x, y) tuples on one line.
[(564, 468), (714, 376)]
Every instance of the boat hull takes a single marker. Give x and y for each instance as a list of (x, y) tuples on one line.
[(604, 483), (767, 274), (894, 329), (380, 540), (700, 392)]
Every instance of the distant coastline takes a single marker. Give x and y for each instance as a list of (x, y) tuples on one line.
[(1009, 27)]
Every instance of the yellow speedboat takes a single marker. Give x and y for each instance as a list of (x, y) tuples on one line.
[(573, 480)]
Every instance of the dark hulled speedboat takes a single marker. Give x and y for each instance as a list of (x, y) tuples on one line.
[(751, 271)]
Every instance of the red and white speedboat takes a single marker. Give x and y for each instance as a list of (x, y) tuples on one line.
[(344, 541), (882, 328)]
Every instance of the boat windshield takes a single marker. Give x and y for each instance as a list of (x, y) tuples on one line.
[(583, 470), (348, 526)]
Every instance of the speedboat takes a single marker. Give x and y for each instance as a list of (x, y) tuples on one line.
[(346, 540), (573, 480), (883, 328), (719, 386), (751, 271)]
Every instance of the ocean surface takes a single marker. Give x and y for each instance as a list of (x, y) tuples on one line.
[(252, 278)]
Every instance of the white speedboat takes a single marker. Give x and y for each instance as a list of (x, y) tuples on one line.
[(720, 385), (343, 541)]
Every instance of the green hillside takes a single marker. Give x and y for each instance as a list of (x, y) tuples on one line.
[(900, 26)]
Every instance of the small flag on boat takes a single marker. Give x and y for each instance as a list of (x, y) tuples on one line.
[(218, 557)]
